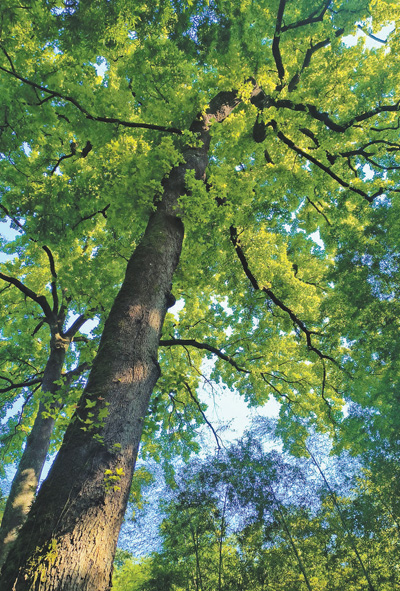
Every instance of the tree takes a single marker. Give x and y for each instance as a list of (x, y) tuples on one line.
[(54, 384), (247, 151)]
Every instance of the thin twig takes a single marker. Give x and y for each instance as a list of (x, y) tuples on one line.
[(193, 397), (103, 212)]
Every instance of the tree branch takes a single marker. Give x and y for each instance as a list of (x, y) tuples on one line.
[(197, 345), (393, 147), (306, 108), (54, 276), (275, 44), (323, 392), (59, 162), (288, 142), (74, 373), (17, 385), (41, 300), (373, 112), (84, 111), (103, 212), (13, 219), (318, 210), (387, 128), (308, 333), (342, 518), (307, 59), (264, 101), (39, 326), (275, 389), (78, 323), (371, 36), (309, 20), (197, 403)]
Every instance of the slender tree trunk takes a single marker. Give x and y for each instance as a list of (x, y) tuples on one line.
[(69, 539), (220, 543), (343, 521), (199, 579), (26, 479), (291, 540)]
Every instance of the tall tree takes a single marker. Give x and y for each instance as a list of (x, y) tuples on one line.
[(308, 141)]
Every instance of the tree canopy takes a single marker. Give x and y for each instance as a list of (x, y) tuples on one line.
[(243, 155)]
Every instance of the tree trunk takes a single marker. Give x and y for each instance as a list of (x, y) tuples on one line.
[(70, 537), (26, 479)]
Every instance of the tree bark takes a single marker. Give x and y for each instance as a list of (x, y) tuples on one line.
[(26, 479), (70, 537)]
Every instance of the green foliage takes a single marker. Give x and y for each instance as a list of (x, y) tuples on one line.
[(161, 65), (111, 480)]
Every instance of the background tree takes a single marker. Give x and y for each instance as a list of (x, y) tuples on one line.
[(258, 292), (281, 528)]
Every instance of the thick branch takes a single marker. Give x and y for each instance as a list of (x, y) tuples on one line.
[(275, 44), (41, 300), (77, 372), (392, 147), (267, 101), (307, 59), (54, 276), (373, 112), (309, 109), (17, 385), (314, 17), (77, 324)]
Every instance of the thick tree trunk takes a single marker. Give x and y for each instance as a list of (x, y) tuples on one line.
[(26, 479), (70, 537)]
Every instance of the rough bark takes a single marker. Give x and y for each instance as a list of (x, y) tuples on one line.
[(70, 537)]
